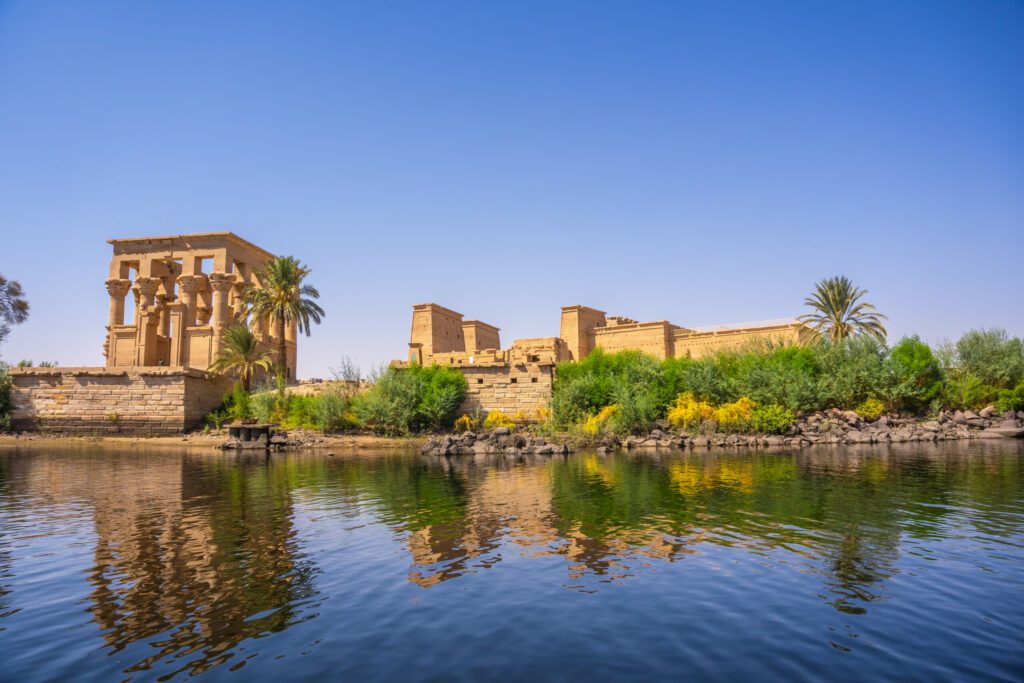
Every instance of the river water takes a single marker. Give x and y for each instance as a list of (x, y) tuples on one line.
[(857, 564)]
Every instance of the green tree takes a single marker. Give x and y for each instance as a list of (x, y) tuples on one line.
[(918, 374), (281, 299), (242, 356), (838, 312), (13, 306), (992, 356)]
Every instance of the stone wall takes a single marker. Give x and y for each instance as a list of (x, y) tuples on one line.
[(140, 400), (511, 389)]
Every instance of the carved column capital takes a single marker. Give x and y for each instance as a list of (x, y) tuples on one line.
[(118, 287), (190, 284), (221, 282), (148, 285)]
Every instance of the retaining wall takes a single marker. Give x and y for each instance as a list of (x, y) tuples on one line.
[(135, 400)]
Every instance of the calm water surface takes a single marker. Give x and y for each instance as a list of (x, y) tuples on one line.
[(841, 565)]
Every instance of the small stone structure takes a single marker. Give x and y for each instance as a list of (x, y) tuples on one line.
[(519, 379), (186, 290), (137, 400)]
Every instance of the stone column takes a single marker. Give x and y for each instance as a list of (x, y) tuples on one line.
[(221, 284), (238, 290), (148, 287), (189, 284), (117, 289), (165, 315)]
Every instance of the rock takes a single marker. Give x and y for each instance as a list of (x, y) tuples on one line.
[(987, 411), (603, 449), (502, 431), (931, 426)]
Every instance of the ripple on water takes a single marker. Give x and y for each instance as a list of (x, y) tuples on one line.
[(841, 565)]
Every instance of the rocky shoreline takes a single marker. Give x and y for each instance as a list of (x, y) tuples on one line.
[(823, 427)]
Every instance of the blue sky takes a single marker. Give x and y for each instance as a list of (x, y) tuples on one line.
[(700, 162)]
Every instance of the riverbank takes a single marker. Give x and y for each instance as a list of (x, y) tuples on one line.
[(216, 438)]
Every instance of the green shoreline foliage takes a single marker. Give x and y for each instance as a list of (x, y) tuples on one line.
[(760, 389), (859, 373), (5, 398), (400, 402)]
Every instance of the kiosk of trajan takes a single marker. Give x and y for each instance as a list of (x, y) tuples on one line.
[(170, 300), (519, 379)]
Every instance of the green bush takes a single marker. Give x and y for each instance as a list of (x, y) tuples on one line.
[(5, 398), (851, 371), (771, 418), (968, 392), (871, 409), (992, 357), (411, 399), (1011, 399), (917, 375)]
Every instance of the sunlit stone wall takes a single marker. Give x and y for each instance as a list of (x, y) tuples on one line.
[(139, 400)]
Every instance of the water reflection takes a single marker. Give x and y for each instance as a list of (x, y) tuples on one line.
[(195, 555)]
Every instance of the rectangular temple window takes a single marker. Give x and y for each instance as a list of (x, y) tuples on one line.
[(533, 380), (513, 380), (480, 381)]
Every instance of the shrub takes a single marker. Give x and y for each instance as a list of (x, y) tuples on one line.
[(689, 412), (411, 399), (598, 423), (852, 371), (1011, 399), (786, 375), (735, 416), (5, 399), (771, 418), (968, 392), (917, 374), (496, 419), (464, 423), (332, 411), (263, 406), (990, 355), (871, 409)]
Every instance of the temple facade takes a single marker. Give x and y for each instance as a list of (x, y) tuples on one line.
[(519, 379), (171, 298)]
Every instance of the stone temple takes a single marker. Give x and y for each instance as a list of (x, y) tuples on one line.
[(185, 290), (170, 300), (519, 379)]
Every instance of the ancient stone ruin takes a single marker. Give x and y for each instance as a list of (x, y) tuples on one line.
[(185, 291), (519, 379)]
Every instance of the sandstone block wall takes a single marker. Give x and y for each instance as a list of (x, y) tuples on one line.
[(509, 388), (141, 400)]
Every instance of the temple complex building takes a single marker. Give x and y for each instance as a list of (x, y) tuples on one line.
[(519, 379), (184, 291)]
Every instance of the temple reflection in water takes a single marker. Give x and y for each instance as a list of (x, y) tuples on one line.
[(197, 553)]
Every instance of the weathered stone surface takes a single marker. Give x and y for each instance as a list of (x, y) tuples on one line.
[(157, 400)]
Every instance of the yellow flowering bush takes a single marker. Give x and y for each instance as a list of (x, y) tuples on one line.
[(496, 419), (465, 424), (595, 424), (735, 416), (688, 412), (870, 409)]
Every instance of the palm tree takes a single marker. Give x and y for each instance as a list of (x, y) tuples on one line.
[(838, 312), (13, 306), (241, 355), (283, 299)]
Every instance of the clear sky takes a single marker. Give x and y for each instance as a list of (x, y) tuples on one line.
[(700, 162)]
